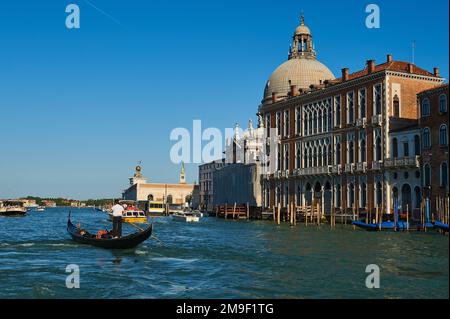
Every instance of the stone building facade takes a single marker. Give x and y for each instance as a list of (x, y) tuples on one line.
[(334, 134)]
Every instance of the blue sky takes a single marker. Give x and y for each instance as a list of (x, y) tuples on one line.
[(79, 108)]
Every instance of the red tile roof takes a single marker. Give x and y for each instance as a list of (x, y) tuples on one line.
[(436, 88), (398, 66)]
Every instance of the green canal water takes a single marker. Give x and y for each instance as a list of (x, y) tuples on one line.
[(219, 259)]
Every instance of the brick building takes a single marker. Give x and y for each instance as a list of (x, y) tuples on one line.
[(334, 134), (433, 122)]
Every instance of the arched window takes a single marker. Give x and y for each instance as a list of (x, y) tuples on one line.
[(305, 159), (443, 135), (363, 195), (416, 145), (427, 175), (351, 195), (443, 103), (378, 149), (396, 106), (418, 196), (394, 148), (363, 151), (426, 138), (299, 195), (425, 109), (444, 174), (315, 122), (150, 198), (338, 153), (320, 121), (405, 148), (298, 157), (351, 152), (379, 197), (338, 195), (406, 197)]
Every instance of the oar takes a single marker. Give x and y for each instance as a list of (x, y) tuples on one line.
[(157, 240), (136, 226)]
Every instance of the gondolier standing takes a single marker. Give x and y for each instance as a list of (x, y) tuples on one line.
[(117, 211)]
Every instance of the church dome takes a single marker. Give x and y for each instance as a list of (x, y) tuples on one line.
[(301, 69), (299, 72)]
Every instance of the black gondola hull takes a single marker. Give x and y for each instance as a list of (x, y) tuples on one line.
[(124, 242)]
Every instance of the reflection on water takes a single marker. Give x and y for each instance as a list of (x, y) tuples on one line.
[(218, 259)]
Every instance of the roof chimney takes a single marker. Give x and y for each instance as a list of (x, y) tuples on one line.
[(410, 68), (344, 74), (389, 58), (371, 66), (293, 90), (436, 72)]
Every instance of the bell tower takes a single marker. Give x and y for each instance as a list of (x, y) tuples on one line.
[(182, 174)]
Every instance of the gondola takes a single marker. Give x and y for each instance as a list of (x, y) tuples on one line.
[(124, 242), (380, 227), (441, 226)]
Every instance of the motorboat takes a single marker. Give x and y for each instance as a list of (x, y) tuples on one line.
[(188, 217)]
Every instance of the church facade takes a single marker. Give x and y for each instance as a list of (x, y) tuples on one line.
[(145, 193), (334, 134)]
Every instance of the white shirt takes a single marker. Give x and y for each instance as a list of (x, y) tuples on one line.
[(117, 210)]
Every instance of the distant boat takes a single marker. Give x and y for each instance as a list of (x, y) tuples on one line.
[(12, 208), (132, 216), (188, 217), (40, 209)]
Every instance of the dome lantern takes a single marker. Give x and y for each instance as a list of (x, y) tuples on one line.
[(300, 71), (302, 45)]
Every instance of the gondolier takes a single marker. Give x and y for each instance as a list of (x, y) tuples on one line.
[(117, 212)]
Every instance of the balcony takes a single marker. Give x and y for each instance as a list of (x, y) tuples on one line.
[(376, 165), (308, 171), (413, 161), (361, 167), (361, 122), (349, 168), (337, 169), (377, 120)]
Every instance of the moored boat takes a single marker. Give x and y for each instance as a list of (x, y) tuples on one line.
[(188, 217), (441, 226), (388, 225), (104, 240)]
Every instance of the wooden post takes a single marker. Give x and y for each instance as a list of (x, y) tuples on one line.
[(226, 211), (407, 217), (318, 214), (295, 215), (234, 209), (274, 214), (279, 214), (248, 211), (306, 214)]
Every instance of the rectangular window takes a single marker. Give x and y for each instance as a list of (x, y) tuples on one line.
[(350, 108), (405, 149), (362, 103)]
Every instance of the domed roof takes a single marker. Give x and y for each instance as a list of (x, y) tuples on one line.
[(302, 29), (301, 69), (300, 72)]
